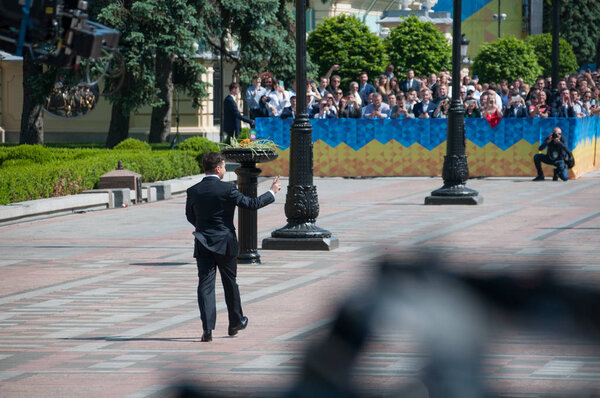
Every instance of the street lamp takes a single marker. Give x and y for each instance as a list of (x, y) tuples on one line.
[(301, 203), (499, 17), (464, 47), (455, 171)]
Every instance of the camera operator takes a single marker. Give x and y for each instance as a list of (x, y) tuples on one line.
[(556, 154)]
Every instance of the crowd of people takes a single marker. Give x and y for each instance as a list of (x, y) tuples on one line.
[(411, 96)]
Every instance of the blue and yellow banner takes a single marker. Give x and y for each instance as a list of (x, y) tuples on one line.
[(416, 147)]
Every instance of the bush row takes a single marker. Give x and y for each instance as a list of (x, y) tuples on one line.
[(42, 173)]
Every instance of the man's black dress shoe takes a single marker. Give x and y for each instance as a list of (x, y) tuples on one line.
[(242, 325), (206, 336)]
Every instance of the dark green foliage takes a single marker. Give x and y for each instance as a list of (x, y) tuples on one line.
[(346, 41), (75, 170), (28, 153), (245, 133), (198, 144), (137, 48), (419, 46), (542, 46), (579, 26), (506, 58), (263, 30), (132, 143)]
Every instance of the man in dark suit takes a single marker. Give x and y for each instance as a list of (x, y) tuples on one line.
[(232, 118), (516, 106), (425, 108), (365, 88), (410, 82), (210, 207), (289, 112), (564, 106)]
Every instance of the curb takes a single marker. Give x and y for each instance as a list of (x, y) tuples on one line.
[(97, 199)]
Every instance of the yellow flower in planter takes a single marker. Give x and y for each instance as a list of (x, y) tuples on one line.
[(255, 146)]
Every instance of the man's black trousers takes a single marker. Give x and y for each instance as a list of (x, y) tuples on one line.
[(207, 263)]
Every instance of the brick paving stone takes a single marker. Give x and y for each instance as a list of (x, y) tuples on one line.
[(103, 304)]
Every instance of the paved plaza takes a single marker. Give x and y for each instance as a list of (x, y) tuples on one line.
[(103, 303)]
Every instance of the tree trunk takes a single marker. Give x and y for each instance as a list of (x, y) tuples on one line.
[(160, 123), (119, 125), (32, 116)]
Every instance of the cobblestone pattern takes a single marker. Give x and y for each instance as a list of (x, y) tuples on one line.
[(103, 304)]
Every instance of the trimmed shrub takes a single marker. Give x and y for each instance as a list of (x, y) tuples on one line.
[(419, 46), (198, 144), (132, 143), (542, 46), (66, 177), (506, 58), (347, 41), (28, 153)]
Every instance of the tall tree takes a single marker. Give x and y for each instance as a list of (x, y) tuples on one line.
[(346, 41), (262, 31), (172, 24), (579, 25), (37, 85), (506, 58), (419, 46), (137, 49), (542, 46)]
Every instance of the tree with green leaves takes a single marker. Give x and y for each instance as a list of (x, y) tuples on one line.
[(419, 46), (173, 26), (346, 41), (263, 34), (542, 46), (579, 25), (506, 58), (137, 49), (37, 86)]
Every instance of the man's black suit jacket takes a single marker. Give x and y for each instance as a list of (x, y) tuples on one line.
[(405, 86), (419, 109), (210, 207), (560, 111), (232, 118), (521, 112)]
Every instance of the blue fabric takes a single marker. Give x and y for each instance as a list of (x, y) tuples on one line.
[(430, 133)]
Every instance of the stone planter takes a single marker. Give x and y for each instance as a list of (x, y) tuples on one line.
[(247, 183)]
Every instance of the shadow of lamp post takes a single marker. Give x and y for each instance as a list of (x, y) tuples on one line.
[(455, 171)]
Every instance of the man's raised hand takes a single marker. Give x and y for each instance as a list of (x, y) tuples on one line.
[(276, 186)]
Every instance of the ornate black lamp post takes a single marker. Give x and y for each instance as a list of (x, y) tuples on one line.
[(301, 202), (456, 170)]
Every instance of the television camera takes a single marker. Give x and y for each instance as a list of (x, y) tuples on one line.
[(59, 34), (56, 32)]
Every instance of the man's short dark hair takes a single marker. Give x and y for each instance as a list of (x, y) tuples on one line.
[(233, 85), (211, 160)]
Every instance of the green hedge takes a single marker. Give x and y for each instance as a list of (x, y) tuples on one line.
[(35, 172)]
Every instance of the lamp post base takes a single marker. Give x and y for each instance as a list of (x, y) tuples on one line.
[(248, 258), (324, 244), (454, 195), (301, 236)]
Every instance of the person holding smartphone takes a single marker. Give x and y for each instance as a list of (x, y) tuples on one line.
[(516, 106)]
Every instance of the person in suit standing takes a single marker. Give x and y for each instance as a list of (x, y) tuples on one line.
[(232, 118), (425, 108), (210, 207), (410, 82)]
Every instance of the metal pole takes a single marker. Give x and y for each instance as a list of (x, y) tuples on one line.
[(456, 170), (555, 42), (499, 16), (301, 202)]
